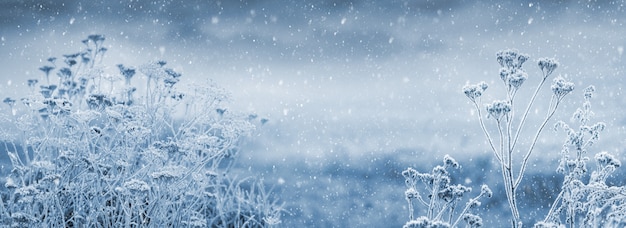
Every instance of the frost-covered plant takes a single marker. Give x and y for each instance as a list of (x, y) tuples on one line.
[(87, 151), (441, 199), (509, 123), (594, 204)]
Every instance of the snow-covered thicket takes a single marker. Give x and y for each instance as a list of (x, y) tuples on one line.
[(86, 150), (591, 204), (442, 198)]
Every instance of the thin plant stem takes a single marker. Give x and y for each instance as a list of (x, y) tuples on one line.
[(487, 135), (534, 141), (410, 208), (525, 115)]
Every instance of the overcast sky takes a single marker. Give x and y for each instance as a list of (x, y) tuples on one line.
[(366, 75)]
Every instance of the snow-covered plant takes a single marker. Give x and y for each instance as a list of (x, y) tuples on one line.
[(509, 122), (591, 204), (87, 151), (441, 198)]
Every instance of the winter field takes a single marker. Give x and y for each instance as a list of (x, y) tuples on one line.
[(345, 95)]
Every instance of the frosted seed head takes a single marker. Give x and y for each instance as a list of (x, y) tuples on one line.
[(511, 58), (505, 58), (460, 190), (409, 173), (498, 109), (411, 176), (471, 92), (427, 178), (500, 58), (96, 38), (32, 82), (46, 69), (561, 87), (605, 159), (65, 73), (446, 195), (517, 78), (474, 203), (597, 127), (440, 170), (473, 220), (444, 181), (580, 115), (9, 101), (504, 74), (475, 91), (172, 73), (547, 65), (522, 58), (127, 72), (450, 162), (27, 102), (561, 125), (411, 193), (588, 92), (169, 82), (485, 191), (483, 85)]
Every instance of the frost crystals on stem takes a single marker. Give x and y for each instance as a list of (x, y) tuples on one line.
[(504, 113)]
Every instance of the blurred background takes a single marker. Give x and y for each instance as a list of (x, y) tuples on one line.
[(355, 91)]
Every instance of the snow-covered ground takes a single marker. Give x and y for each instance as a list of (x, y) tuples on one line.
[(354, 91)]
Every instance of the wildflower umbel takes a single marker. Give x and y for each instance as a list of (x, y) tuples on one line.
[(517, 78), (606, 159), (498, 109), (561, 87), (547, 66), (127, 72), (9, 101), (475, 91), (473, 220), (485, 191), (511, 58), (450, 162)]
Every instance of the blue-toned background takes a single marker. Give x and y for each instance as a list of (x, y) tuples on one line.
[(355, 91)]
